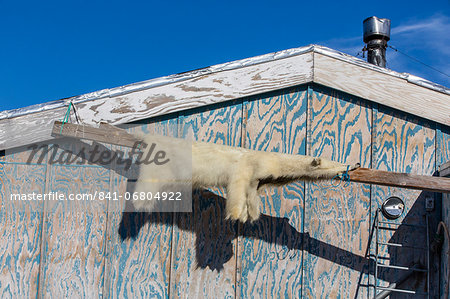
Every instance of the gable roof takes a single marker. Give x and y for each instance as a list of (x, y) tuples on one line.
[(229, 81)]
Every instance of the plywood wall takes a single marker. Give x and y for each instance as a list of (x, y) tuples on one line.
[(404, 143), (443, 156), (270, 250), (313, 240), (337, 217), (139, 245), (20, 225)]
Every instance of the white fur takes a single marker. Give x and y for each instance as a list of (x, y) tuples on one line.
[(242, 172)]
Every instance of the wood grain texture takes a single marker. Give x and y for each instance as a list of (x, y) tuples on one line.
[(200, 91), (20, 229), (270, 250), (204, 246), (106, 134), (337, 217), (381, 88), (402, 180), (403, 144), (73, 254), (442, 145), (138, 244), (444, 252), (103, 252), (30, 128), (443, 158), (29, 154)]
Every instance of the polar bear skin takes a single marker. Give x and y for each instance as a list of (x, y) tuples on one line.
[(243, 172)]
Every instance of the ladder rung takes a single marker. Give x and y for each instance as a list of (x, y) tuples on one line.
[(386, 228), (384, 257), (401, 290), (401, 267), (405, 224), (401, 245)]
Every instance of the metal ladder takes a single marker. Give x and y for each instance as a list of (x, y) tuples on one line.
[(385, 225)]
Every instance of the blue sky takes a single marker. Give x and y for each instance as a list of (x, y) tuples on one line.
[(56, 49)]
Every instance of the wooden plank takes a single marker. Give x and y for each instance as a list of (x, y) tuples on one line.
[(404, 144), (196, 92), (204, 245), (337, 217), (138, 244), (73, 254), (112, 128), (270, 250), (381, 88), (106, 134), (403, 180)]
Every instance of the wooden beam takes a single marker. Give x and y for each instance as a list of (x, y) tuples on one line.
[(403, 180), (105, 134)]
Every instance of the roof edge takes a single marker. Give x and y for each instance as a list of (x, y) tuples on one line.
[(148, 84), (151, 83), (406, 76)]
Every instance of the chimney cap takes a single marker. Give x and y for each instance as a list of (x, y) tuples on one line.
[(376, 28)]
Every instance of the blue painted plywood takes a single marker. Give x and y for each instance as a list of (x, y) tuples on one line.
[(270, 250), (204, 246), (309, 245), (405, 144), (442, 145), (443, 156), (138, 244), (337, 218), (20, 229), (74, 234)]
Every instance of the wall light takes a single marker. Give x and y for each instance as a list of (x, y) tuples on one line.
[(393, 207)]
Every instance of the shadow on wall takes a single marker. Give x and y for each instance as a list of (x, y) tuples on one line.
[(408, 235), (214, 237)]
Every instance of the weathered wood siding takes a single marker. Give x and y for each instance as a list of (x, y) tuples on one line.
[(203, 259), (337, 218), (442, 157), (404, 143), (312, 240), (270, 250), (20, 225), (139, 245)]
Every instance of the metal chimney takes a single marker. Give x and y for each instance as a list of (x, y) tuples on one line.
[(377, 32)]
